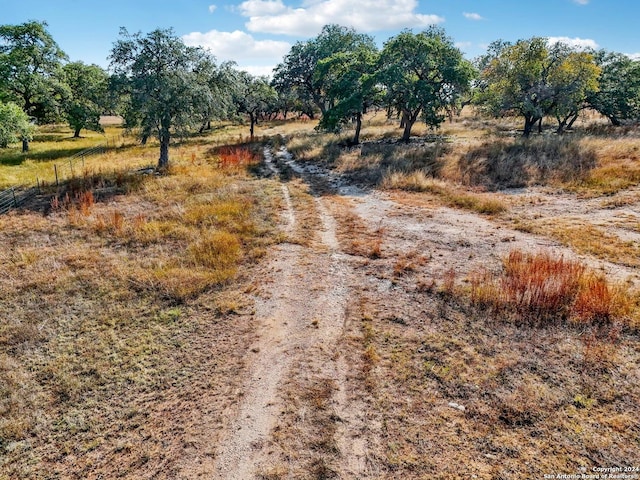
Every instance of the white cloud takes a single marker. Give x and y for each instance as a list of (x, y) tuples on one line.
[(273, 16), (238, 46), (256, 8), (581, 2), (212, 8), (259, 71), (463, 45), (574, 42), (633, 56), (473, 16)]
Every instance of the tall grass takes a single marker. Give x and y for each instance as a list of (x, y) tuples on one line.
[(507, 163), (455, 197), (541, 289)]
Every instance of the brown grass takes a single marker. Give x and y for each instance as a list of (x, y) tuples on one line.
[(587, 238), (111, 312), (541, 290), (453, 393), (484, 203)]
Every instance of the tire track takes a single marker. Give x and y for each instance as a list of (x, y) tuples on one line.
[(304, 286)]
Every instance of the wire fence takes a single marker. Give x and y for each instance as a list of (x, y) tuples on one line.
[(75, 164), (16, 196)]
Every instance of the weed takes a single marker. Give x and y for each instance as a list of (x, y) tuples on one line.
[(540, 289), (452, 196), (449, 282), (236, 156)]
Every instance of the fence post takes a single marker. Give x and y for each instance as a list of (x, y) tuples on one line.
[(38, 185), (15, 201), (55, 169)]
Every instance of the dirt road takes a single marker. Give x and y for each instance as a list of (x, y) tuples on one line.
[(304, 408)]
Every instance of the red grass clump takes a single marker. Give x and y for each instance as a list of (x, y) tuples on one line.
[(539, 287), (541, 290), (236, 156)]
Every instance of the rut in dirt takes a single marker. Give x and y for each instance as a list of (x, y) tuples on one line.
[(300, 308)]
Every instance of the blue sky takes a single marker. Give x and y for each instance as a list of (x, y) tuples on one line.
[(258, 33)]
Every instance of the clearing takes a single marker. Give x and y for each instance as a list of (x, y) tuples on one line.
[(349, 346)]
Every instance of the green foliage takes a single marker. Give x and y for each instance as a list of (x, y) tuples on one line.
[(299, 71), (352, 87), (160, 77), (515, 77), (618, 97), (532, 79), (88, 85), (254, 96), (14, 125), (573, 79), (30, 70), (423, 73), (215, 86)]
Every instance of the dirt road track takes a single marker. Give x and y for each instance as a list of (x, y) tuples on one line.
[(301, 308), (300, 314)]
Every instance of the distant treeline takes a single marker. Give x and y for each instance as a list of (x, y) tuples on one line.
[(162, 87)]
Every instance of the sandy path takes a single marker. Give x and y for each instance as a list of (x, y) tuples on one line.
[(300, 310), (306, 289)]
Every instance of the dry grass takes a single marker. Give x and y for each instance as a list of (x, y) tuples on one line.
[(541, 290), (305, 435), (111, 311), (586, 238), (123, 329), (507, 162), (481, 153), (455, 394), (456, 197)]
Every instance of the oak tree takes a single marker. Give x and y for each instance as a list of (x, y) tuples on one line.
[(158, 74), (353, 87), (30, 71), (88, 98), (422, 73)]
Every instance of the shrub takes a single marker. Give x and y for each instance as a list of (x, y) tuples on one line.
[(540, 290)]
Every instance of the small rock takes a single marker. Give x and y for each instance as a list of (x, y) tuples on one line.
[(491, 456), (457, 406)]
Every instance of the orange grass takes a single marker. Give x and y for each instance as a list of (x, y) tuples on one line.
[(237, 156), (540, 290)]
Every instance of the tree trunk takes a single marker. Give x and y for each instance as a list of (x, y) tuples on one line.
[(540, 125), (562, 122), (409, 120), (76, 132), (252, 119), (570, 124), (529, 122), (163, 161), (356, 136), (25, 145), (614, 121)]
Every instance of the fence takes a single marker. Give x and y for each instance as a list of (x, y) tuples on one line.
[(16, 196), (75, 164)]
